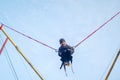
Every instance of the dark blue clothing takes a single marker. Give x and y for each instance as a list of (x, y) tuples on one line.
[(65, 52)]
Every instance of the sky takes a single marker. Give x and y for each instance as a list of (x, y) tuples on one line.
[(50, 20)]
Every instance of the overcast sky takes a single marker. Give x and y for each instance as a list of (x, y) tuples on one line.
[(50, 20)]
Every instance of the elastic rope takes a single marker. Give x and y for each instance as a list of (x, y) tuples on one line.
[(29, 37), (96, 30), (75, 45)]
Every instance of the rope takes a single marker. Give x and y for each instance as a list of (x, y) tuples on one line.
[(75, 45), (96, 30), (29, 37), (10, 63)]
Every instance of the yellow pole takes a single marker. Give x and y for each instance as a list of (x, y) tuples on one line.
[(18, 49), (112, 65)]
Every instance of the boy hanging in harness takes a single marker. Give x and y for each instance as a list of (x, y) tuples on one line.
[(65, 52)]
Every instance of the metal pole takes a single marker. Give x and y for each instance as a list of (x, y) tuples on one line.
[(18, 49), (112, 65)]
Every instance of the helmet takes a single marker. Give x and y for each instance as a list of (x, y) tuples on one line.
[(61, 40)]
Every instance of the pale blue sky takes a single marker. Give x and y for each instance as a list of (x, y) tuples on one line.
[(48, 21)]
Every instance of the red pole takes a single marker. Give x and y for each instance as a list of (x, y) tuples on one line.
[(1, 26), (4, 42), (3, 45)]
